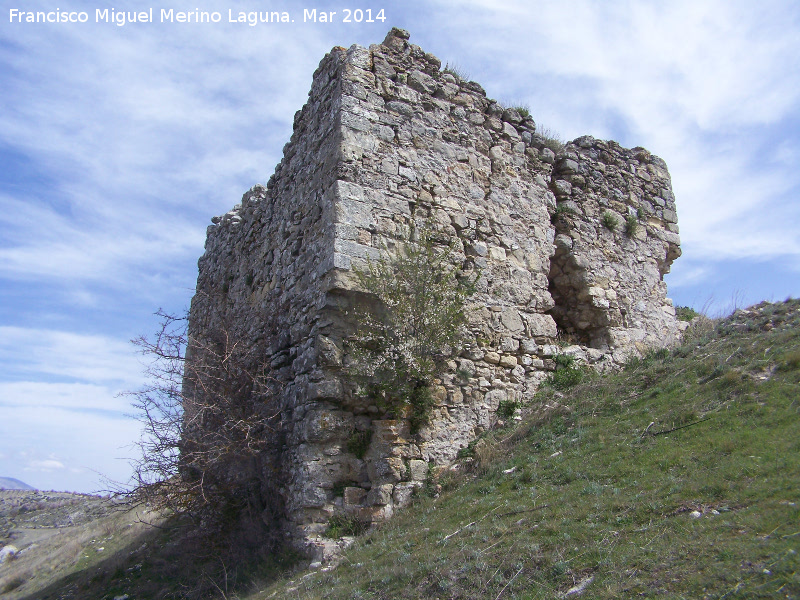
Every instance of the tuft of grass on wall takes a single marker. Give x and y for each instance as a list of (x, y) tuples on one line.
[(685, 313), (609, 221), (631, 225), (456, 71)]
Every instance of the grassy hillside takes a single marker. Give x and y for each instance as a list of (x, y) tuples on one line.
[(676, 478), (56, 536)]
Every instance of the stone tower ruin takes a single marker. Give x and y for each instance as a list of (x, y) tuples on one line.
[(571, 242)]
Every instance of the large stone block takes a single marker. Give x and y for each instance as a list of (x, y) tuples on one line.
[(325, 425)]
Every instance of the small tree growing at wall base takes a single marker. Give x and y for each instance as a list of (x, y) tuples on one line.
[(403, 341)]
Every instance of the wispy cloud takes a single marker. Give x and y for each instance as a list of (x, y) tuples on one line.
[(147, 134), (63, 419), (90, 447), (44, 465), (80, 398), (712, 87), (27, 352)]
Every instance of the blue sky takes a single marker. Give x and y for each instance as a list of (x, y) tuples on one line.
[(118, 144)]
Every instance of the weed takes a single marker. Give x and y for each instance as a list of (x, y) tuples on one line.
[(358, 443), (522, 109), (339, 486), (609, 221), (566, 375), (551, 139), (456, 71), (507, 408), (652, 356), (463, 375), (12, 584), (730, 379), (405, 334), (563, 379), (685, 313), (341, 525), (561, 211), (564, 361), (791, 361), (559, 426), (631, 226)]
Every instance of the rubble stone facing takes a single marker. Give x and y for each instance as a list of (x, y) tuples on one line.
[(388, 141)]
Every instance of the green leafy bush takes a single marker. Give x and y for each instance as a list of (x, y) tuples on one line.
[(523, 110), (338, 488), (507, 408), (403, 341), (567, 373), (685, 313), (562, 210)]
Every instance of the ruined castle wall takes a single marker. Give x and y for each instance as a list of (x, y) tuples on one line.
[(388, 142), (442, 155), (260, 279), (617, 236)]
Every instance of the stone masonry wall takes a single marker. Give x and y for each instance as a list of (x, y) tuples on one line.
[(388, 141)]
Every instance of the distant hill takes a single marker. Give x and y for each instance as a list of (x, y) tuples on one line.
[(9, 483)]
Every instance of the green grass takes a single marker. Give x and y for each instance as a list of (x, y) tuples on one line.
[(631, 225), (358, 443), (685, 313), (609, 221), (561, 211), (610, 488), (342, 525), (600, 481)]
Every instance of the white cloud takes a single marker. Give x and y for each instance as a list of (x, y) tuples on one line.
[(94, 358), (144, 137), (64, 422), (90, 447), (44, 465), (706, 86)]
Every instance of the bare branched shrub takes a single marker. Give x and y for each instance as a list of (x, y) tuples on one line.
[(206, 412)]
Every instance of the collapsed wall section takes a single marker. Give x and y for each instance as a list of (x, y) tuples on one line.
[(388, 142), (617, 236)]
